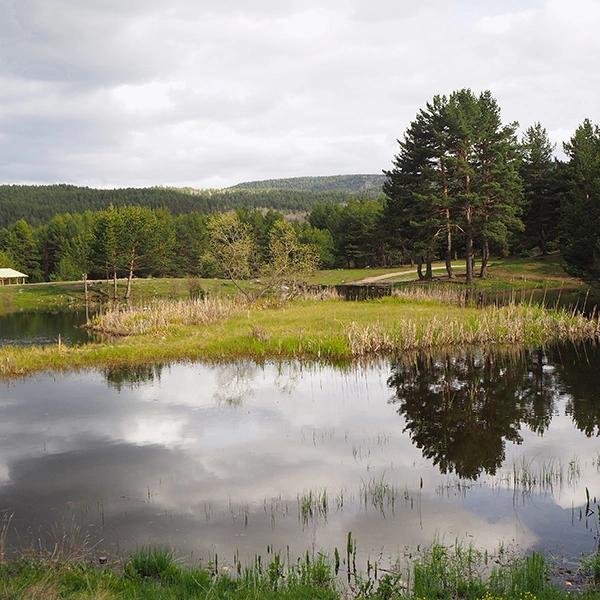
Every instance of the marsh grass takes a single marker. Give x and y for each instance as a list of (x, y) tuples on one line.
[(161, 316), (330, 330), (506, 325)]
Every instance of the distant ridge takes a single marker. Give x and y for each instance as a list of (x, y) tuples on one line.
[(366, 183)]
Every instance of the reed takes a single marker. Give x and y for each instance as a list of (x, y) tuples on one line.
[(160, 316), (510, 325)]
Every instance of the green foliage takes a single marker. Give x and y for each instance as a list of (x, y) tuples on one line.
[(353, 229)]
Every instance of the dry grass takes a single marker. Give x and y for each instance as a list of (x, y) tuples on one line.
[(512, 324), (444, 294), (160, 316)]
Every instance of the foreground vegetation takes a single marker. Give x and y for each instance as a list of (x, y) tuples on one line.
[(440, 573)]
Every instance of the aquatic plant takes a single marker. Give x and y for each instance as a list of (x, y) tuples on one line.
[(440, 572)]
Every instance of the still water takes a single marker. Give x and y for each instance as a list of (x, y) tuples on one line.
[(43, 328), (485, 448)]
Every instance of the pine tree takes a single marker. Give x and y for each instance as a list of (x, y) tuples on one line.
[(419, 204), (580, 238), (542, 201)]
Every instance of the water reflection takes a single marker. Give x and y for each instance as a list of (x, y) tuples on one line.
[(462, 408), (225, 458), (43, 328), (120, 377)]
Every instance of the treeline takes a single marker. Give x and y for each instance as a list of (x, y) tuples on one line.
[(37, 204), (136, 240)]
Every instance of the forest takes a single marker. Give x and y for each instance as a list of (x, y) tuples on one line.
[(462, 185), (39, 203)]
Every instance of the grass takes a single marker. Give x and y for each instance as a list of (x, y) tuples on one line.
[(329, 329), (441, 573), (505, 274), (58, 296)]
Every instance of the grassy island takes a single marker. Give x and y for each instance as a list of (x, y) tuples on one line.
[(222, 329)]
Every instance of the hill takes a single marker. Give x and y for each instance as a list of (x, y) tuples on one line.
[(38, 203), (369, 184)]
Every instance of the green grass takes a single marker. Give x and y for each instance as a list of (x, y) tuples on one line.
[(440, 573), (333, 330), (64, 296)]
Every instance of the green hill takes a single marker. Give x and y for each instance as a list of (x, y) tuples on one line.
[(369, 184), (38, 203)]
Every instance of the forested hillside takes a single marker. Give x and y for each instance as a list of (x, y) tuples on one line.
[(370, 185), (38, 203)]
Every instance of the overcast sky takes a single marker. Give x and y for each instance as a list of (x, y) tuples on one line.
[(208, 93)]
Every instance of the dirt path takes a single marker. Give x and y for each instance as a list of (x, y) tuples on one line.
[(378, 278)]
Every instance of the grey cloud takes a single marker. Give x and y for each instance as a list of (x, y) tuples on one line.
[(229, 90)]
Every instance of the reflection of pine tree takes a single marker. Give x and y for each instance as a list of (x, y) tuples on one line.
[(460, 409), (579, 375), (132, 376)]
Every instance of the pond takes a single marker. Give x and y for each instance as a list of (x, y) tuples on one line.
[(43, 328), (487, 448)]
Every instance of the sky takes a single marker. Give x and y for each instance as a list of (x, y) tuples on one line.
[(207, 94)]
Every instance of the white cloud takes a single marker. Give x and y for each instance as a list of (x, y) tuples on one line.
[(186, 93)]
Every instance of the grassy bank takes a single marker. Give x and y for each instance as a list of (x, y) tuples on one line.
[(329, 329), (440, 573)]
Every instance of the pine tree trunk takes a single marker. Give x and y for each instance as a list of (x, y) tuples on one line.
[(129, 280), (449, 246), (114, 285), (428, 269), (543, 246), (420, 267), (469, 232), (485, 257), (469, 246)]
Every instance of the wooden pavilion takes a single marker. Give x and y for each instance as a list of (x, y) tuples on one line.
[(10, 276)]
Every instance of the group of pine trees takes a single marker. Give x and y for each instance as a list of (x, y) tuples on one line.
[(462, 185)]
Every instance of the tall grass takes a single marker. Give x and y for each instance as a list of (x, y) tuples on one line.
[(512, 324), (161, 316)]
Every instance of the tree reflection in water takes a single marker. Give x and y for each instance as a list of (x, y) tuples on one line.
[(462, 406)]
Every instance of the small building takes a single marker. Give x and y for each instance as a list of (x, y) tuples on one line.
[(10, 276)]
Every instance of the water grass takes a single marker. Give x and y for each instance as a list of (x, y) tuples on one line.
[(510, 325), (440, 572)]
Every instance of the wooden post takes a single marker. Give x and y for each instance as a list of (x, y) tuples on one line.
[(86, 296)]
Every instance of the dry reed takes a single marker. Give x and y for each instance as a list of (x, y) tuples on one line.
[(512, 324), (159, 316)]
